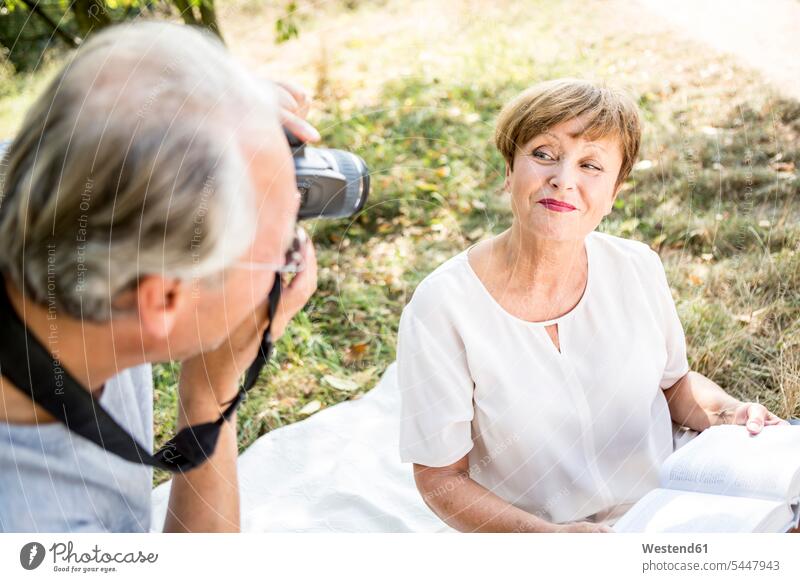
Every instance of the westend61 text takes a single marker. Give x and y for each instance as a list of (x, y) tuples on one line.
[(674, 549)]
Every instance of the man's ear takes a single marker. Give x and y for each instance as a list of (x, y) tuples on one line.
[(159, 301)]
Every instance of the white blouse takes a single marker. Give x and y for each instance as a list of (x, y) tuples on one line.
[(576, 434)]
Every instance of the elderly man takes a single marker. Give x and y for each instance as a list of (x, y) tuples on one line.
[(147, 205)]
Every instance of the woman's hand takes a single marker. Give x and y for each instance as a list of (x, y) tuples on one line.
[(698, 403), (582, 527), (754, 416)]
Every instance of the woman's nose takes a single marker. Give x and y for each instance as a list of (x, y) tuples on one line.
[(563, 177)]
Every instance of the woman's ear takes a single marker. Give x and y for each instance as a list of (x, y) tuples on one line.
[(159, 301), (507, 181)]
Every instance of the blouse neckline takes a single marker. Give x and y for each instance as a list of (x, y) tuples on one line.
[(561, 318)]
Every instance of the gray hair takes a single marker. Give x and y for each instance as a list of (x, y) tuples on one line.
[(131, 163)]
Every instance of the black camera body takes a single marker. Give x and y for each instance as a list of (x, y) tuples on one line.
[(332, 183)]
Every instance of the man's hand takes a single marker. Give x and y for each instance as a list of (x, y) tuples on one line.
[(221, 368), (295, 102), (297, 293)]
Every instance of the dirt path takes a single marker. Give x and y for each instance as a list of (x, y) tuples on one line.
[(764, 35)]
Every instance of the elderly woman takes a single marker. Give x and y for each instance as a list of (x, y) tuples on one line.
[(541, 368)]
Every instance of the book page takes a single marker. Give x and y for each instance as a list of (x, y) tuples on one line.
[(667, 510), (727, 460)]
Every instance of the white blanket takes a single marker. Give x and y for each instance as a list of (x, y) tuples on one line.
[(338, 470)]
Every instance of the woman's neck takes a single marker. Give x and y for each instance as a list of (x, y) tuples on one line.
[(547, 266)]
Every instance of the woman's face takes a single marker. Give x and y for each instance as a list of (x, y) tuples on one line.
[(563, 184)]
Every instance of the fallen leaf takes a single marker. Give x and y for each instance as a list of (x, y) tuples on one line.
[(311, 407), (365, 376), (287, 402), (340, 383), (752, 317), (783, 166), (426, 186), (268, 412), (356, 352), (475, 234)]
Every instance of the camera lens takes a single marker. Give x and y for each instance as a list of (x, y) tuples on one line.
[(332, 183)]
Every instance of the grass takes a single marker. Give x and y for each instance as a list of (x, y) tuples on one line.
[(416, 97)]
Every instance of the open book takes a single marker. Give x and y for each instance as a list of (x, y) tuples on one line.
[(725, 480)]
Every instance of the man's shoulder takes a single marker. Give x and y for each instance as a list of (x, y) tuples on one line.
[(55, 480), (141, 377)]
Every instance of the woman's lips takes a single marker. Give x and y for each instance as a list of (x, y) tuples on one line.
[(556, 205)]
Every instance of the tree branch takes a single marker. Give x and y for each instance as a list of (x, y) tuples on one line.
[(186, 11), (209, 17), (72, 41)]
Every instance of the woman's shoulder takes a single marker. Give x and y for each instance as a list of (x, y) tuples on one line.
[(443, 286), (632, 263), (619, 251), (621, 247)]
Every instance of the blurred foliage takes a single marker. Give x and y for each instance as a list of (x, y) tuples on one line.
[(28, 28), (286, 26)]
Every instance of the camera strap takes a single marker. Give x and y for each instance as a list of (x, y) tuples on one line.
[(34, 371)]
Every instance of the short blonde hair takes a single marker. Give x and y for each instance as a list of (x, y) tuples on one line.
[(609, 112)]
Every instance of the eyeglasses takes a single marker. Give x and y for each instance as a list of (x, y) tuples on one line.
[(294, 256)]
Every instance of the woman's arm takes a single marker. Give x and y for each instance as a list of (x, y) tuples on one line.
[(466, 506), (699, 403)]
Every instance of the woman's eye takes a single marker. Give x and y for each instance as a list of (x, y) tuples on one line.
[(542, 155), (594, 167)]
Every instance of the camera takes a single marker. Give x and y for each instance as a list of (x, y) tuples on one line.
[(332, 183)]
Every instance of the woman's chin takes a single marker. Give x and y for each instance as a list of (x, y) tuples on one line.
[(552, 231)]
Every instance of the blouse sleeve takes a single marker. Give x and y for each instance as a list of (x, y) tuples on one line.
[(677, 364), (436, 389)]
